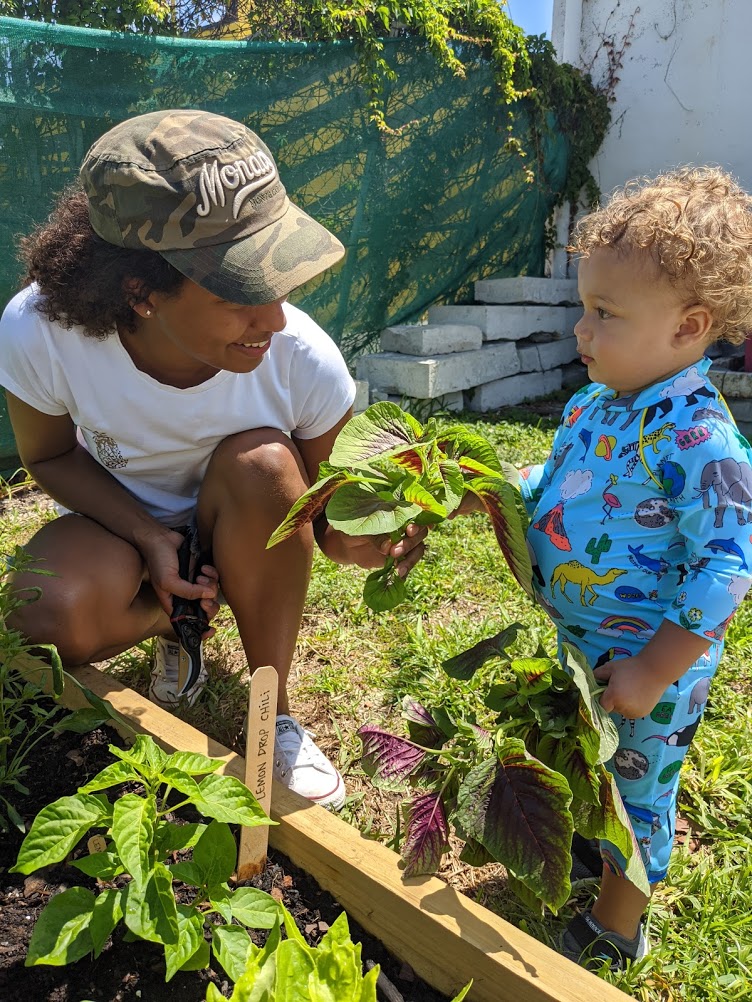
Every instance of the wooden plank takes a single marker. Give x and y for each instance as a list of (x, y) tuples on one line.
[(259, 755), (444, 936)]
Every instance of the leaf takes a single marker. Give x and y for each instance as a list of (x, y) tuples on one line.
[(61, 934), (415, 493), (215, 854), (104, 866), (573, 764), (192, 763), (384, 589), (388, 759), (460, 443), (133, 823), (111, 775), (108, 910), (358, 510), (519, 810), (307, 507), (532, 675), (339, 970), (464, 665), (187, 872), (381, 428), (426, 834), (422, 727), (150, 908), (81, 721), (171, 837), (295, 967), (200, 959), (227, 799), (463, 993), (254, 908), (509, 519), (411, 458), (57, 829), (190, 939), (590, 689), (475, 854), (231, 945)]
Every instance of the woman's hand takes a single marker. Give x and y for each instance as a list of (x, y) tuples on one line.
[(160, 552), (371, 552)]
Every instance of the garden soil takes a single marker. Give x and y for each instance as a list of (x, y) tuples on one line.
[(126, 972)]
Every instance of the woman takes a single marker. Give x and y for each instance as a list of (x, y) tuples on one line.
[(157, 378)]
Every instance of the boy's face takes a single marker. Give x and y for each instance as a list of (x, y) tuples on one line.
[(636, 329)]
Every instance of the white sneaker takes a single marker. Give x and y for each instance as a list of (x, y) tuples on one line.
[(166, 677), (302, 767)]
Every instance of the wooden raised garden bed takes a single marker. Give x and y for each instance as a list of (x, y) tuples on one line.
[(445, 936)]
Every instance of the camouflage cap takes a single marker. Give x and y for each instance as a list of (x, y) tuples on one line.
[(204, 192)]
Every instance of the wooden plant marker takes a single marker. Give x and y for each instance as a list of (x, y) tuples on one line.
[(262, 714)]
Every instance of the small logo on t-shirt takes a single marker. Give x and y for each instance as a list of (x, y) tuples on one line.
[(108, 452)]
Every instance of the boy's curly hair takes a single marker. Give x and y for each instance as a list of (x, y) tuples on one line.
[(696, 223), (82, 277)]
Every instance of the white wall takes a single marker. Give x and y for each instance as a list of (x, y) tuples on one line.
[(684, 93)]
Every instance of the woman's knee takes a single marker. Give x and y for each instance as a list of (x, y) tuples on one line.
[(54, 611), (264, 462)]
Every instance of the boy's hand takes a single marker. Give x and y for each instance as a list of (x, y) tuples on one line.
[(633, 688)]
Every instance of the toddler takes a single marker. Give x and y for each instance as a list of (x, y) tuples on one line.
[(641, 517)]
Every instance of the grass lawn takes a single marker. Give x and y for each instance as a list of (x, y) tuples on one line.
[(353, 666)]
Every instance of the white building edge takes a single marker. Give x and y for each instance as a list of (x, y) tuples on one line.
[(684, 88)]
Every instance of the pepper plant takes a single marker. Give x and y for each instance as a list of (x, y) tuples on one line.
[(138, 845), (386, 471), (516, 789), (290, 970)]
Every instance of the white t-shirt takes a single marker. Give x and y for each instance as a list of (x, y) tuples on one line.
[(156, 439)]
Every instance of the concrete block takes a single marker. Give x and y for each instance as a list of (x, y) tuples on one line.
[(574, 375), (421, 409), (717, 378), (737, 384), (361, 396), (529, 357), (549, 291), (427, 378), (507, 392), (504, 323), (741, 408), (745, 427), (431, 339), (574, 313), (556, 353)]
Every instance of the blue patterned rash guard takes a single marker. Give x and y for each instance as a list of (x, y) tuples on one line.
[(643, 512)]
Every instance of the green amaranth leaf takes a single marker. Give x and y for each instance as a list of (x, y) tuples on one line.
[(519, 810), (358, 510), (57, 828), (384, 589), (464, 665), (509, 519), (307, 507), (381, 428), (590, 689)]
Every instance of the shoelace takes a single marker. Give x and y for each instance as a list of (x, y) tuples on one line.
[(306, 752)]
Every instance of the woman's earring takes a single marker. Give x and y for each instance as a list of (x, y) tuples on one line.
[(148, 313)]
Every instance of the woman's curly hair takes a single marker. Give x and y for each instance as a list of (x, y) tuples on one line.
[(696, 223), (83, 278)]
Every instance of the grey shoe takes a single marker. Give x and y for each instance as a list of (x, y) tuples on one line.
[(166, 677), (588, 944)]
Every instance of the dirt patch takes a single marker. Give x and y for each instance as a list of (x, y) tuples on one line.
[(126, 972)]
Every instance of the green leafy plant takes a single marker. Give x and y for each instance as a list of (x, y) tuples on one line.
[(386, 470), (292, 971), (517, 789), (139, 841), (25, 719)]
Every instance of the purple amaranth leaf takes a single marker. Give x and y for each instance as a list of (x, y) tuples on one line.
[(509, 519), (389, 760), (411, 458), (519, 810), (464, 665), (570, 760), (427, 834), (423, 728), (307, 507), (474, 468), (358, 510), (381, 428)]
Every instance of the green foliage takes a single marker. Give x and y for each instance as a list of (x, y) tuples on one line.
[(515, 791), (139, 843), (387, 471), (289, 970), (25, 720)]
